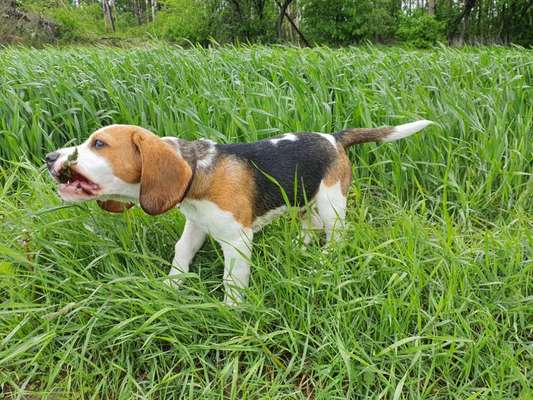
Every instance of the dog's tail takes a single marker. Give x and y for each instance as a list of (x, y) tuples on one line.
[(349, 137)]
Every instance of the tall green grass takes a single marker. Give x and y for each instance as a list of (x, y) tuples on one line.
[(481, 98), (428, 294)]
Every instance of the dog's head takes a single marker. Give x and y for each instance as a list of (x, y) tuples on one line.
[(120, 164)]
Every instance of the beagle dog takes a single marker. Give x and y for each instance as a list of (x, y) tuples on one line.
[(228, 191)]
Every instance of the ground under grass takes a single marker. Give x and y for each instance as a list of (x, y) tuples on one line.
[(428, 294)]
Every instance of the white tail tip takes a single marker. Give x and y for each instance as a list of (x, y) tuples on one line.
[(402, 131)]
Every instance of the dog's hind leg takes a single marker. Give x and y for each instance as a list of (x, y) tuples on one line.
[(311, 223), (331, 207)]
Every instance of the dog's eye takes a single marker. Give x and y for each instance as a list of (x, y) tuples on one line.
[(98, 144)]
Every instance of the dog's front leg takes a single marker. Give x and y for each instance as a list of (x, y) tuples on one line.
[(237, 254), (190, 242)]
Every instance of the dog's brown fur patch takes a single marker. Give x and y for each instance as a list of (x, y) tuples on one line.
[(340, 170), (230, 185), (349, 137)]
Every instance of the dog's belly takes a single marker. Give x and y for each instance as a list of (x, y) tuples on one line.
[(267, 218), (218, 223)]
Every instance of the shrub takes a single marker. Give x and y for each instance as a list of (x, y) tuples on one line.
[(343, 22), (182, 20), (78, 24), (420, 30)]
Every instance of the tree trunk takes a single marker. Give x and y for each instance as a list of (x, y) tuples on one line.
[(113, 10), (237, 8), (108, 15), (469, 5), (282, 13), (432, 6), (146, 12), (479, 33), (462, 19), (154, 6), (137, 11), (104, 10), (293, 24), (260, 8)]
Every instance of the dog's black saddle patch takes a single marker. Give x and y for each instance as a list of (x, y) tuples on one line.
[(295, 163)]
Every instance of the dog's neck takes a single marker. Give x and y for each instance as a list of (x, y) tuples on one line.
[(200, 155)]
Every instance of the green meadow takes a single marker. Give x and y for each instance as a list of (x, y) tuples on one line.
[(429, 294)]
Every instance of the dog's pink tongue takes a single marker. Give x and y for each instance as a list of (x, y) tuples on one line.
[(88, 187)]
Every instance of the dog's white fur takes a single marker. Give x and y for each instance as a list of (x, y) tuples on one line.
[(405, 130)]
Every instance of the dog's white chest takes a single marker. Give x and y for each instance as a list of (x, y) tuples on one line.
[(211, 218)]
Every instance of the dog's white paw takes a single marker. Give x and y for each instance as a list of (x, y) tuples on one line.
[(173, 279), (233, 299)]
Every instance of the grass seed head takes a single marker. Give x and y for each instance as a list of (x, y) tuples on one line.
[(65, 173)]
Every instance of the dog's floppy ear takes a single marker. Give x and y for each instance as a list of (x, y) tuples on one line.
[(114, 206), (165, 175)]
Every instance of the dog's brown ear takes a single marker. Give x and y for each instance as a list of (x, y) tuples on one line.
[(114, 206), (165, 175)]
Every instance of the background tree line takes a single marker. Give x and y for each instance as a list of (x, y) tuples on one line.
[(304, 22)]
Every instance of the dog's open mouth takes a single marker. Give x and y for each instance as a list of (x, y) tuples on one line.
[(73, 182)]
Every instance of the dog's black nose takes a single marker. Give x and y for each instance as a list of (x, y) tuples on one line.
[(51, 158)]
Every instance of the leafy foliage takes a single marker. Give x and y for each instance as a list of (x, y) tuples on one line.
[(78, 25), (342, 22), (242, 20), (329, 22), (180, 21), (420, 30)]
